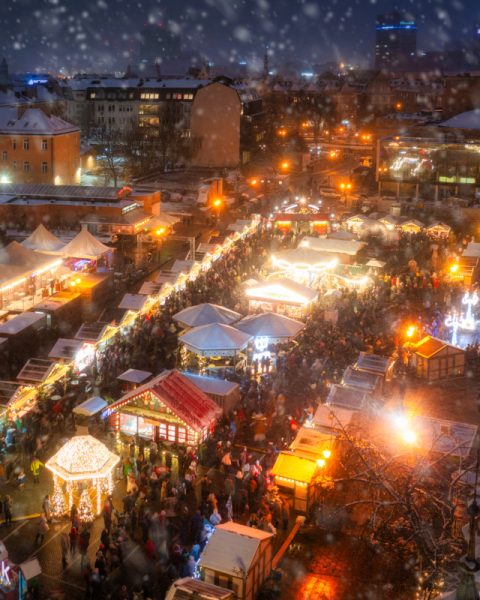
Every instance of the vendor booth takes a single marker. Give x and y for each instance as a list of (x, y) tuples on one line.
[(376, 364), (302, 265), (132, 378), (363, 380), (237, 557), (350, 398), (329, 417), (167, 408), (213, 346), (282, 296), (82, 473), (411, 226), (205, 314), (345, 251), (86, 253), (299, 477), (434, 359), (438, 230)]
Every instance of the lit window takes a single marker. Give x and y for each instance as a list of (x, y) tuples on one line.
[(26, 144), (181, 435), (172, 433), (162, 431)]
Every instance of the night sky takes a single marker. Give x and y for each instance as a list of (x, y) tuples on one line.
[(105, 34)]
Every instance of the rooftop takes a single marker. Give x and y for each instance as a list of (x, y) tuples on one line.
[(34, 121)]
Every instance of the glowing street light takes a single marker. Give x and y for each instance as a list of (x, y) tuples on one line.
[(217, 203), (160, 231), (405, 430), (454, 268), (321, 462), (282, 132), (410, 332), (285, 165)]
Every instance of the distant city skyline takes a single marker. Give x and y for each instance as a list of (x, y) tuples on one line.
[(107, 35)]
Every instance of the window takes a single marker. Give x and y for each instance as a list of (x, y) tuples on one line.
[(181, 435), (172, 433), (14, 165), (14, 144), (162, 431), (44, 144), (26, 166), (4, 155), (26, 144), (44, 167), (93, 95)]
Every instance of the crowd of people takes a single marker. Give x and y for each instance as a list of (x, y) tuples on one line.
[(174, 495)]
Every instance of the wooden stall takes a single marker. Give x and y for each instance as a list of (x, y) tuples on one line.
[(434, 359)]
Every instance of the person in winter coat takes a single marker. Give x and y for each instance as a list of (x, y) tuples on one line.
[(42, 529)]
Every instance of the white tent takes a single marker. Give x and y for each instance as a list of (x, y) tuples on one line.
[(215, 339), (133, 302), (42, 240), (85, 245), (206, 314), (271, 325), (304, 257), (350, 247)]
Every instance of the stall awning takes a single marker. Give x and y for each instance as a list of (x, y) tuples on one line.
[(293, 467), (133, 301), (90, 407), (216, 339), (134, 376)]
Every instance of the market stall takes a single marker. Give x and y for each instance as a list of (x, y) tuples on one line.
[(86, 253), (368, 382), (345, 251), (43, 240), (298, 477), (435, 359), (168, 408), (439, 230), (213, 346), (205, 314), (225, 393), (82, 473), (411, 226), (132, 378), (282, 296), (303, 265)]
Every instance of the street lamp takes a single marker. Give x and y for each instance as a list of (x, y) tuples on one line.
[(285, 165)]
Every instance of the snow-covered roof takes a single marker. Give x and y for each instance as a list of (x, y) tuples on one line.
[(84, 84), (270, 325), (350, 247), (215, 339), (133, 301), (206, 314), (465, 120), (134, 376), (20, 322), (90, 407), (85, 245), (232, 548), (212, 385), (34, 121), (42, 240)]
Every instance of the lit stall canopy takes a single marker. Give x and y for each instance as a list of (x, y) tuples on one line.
[(133, 302), (376, 364), (169, 407), (83, 462), (205, 314), (215, 339), (312, 443), (43, 240), (363, 380), (282, 296), (40, 370), (411, 226), (438, 230), (298, 475), (273, 326), (329, 417), (91, 332), (66, 349), (344, 250), (389, 221), (85, 245), (135, 376), (90, 407), (304, 265)]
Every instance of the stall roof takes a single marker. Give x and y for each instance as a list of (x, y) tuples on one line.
[(90, 407), (189, 588), (332, 417), (360, 379), (134, 376), (42, 240), (133, 301), (302, 257), (149, 288), (373, 262), (212, 385), (374, 363), (183, 266), (20, 322), (350, 247), (472, 250), (91, 332), (85, 245), (65, 348), (311, 442), (429, 346), (7, 391), (281, 290), (347, 397), (178, 394), (215, 339), (293, 466), (445, 437), (36, 370), (232, 548), (206, 314), (270, 325)]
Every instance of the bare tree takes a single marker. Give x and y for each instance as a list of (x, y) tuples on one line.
[(112, 150)]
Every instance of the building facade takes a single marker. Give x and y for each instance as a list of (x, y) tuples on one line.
[(395, 41), (36, 147)]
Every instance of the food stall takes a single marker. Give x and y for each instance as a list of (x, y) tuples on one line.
[(298, 477), (282, 296), (167, 408)]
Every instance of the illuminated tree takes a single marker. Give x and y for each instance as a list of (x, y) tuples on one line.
[(85, 508), (58, 502)]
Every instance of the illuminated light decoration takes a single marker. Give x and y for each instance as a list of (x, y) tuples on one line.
[(404, 427), (5, 179), (58, 503), (261, 344), (452, 322), (5, 580), (470, 300), (85, 508), (321, 462), (327, 453), (84, 357), (410, 331)]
